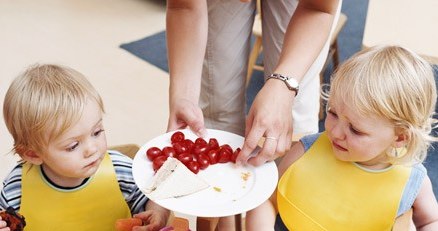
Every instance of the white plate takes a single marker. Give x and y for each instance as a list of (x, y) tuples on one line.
[(235, 196)]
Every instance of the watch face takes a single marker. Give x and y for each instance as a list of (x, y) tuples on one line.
[(292, 82)]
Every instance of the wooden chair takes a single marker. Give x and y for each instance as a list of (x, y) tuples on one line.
[(333, 55), (128, 149)]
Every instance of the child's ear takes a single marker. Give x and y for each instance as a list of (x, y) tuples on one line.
[(402, 139), (31, 156)]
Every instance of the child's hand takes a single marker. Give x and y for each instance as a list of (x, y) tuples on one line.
[(3, 225), (152, 220)]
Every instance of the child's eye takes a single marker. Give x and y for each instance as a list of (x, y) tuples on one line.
[(331, 112), (73, 147), (98, 132), (355, 131)]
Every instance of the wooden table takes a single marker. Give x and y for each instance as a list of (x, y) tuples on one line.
[(412, 24)]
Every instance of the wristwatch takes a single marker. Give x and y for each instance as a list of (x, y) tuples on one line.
[(290, 82)]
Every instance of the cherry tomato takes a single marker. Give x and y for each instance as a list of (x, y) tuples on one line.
[(203, 161), (185, 158), (224, 155), (153, 152), (158, 162), (235, 154), (169, 151), (194, 157), (193, 166), (226, 146), (179, 147), (200, 140), (189, 144), (200, 149), (213, 144), (213, 156), (177, 137)]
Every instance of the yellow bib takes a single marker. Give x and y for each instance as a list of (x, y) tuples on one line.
[(320, 192), (94, 206)]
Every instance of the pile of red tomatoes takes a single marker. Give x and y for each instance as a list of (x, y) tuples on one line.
[(196, 155)]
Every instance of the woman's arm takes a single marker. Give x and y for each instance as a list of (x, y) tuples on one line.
[(270, 113), (186, 28), (306, 35)]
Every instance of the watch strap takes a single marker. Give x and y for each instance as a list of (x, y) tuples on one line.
[(286, 80)]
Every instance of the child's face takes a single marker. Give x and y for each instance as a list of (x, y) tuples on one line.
[(77, 153), (357, 138)]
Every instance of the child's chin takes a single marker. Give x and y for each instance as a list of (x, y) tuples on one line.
[(342, 157), (91, 170)]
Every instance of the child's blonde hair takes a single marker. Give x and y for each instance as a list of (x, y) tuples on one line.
[(394, 83), (43, 102)]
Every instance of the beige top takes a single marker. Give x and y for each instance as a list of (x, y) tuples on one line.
[(408, 23)]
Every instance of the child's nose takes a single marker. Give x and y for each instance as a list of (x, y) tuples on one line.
[(337, 131), (91, 148)]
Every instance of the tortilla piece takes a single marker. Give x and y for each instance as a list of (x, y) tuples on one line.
[(174, 179)]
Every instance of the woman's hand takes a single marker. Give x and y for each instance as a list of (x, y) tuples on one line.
[(270, 116), (185, 113)]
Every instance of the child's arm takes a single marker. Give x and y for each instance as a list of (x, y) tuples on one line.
[(154, 217), (425, 208), (263, 217), (295, 153)]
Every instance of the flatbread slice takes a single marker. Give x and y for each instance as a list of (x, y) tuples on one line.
[(174, 179)]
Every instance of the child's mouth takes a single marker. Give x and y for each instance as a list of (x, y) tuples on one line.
[(337, 146)]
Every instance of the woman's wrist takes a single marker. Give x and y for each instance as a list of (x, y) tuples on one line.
[(279, 88), (182, 93), (290, 82)]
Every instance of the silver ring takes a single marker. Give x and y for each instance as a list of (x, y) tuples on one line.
[(271, 138)]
